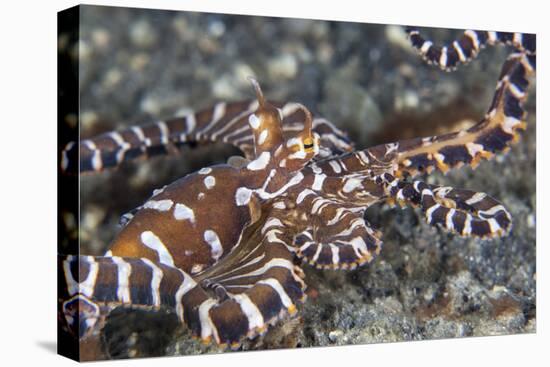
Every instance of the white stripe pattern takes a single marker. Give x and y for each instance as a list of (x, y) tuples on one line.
[(86, 287), (251, 311), (187, 284), (151, 240), (207, 326), (124, 270), (156, 278), (276, 285)]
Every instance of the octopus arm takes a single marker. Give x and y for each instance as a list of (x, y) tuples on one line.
[(224, 122), (464, 212)]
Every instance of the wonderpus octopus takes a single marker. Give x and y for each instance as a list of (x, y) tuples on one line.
[(223, 247)]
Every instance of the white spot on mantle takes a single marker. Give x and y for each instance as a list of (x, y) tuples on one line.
[(160, 205), (183, 212), (151, 240), (242, 196), (214, 242), (209, 182)]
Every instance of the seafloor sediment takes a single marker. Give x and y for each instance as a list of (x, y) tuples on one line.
[(140, 65)]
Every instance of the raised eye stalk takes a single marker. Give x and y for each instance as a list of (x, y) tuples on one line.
[(258, 91)]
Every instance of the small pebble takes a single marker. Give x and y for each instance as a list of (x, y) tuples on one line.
[(101, 38), (139, 61), (223, 87), (142, 34), (531, 221), (92, 217), (88, 119), (396, 35), (84, 50), (216, 28), (285, 66), (335, 335), (181, 27), (112, 78), (242, 72), (151, 105)]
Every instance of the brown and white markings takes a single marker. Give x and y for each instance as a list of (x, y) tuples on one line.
[(298, 195)]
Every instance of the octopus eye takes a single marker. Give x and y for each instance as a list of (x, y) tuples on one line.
[(308, 145)]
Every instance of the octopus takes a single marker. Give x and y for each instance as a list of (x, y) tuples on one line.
[(223, 248)]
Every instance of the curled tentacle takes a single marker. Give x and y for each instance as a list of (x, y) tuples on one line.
[(493, 134), (344, 245), (465, 212), (260, 285), (496, 132), (467, 46), (332, 235)]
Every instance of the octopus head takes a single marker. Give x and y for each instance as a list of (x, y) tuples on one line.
[(287, 150)]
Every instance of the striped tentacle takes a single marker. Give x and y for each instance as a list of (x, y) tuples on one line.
[(92, 286), (336, 236), (264, 291), (493, 134), (162, 137), (258, 284), (367, 163), (464, 212), (333, 140), (225, 122), (467, 47)]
